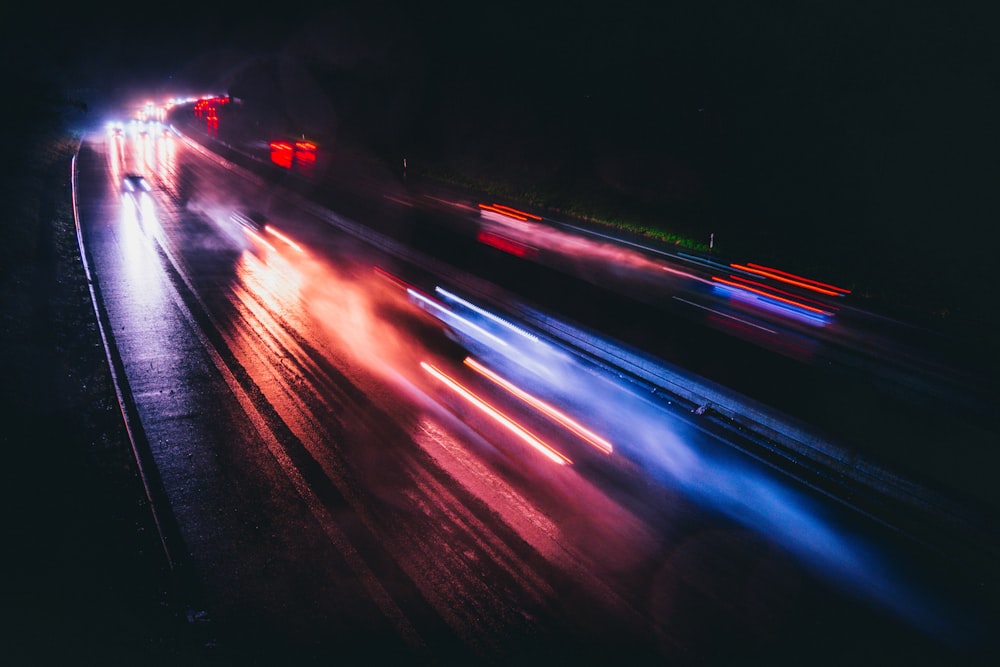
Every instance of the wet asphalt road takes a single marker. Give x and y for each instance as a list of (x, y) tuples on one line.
[(329, 508)]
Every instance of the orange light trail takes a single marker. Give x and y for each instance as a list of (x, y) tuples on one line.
[(584, 433), (501, 418), (494, 209), (259, 238), (514, 211), (772, 289), (275, 232), (770, 295), (792, 279), (509, 212)]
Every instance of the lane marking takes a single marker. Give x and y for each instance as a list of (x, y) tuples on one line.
[(719, 312)]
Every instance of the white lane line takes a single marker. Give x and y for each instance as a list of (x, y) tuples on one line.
[(732, 317)]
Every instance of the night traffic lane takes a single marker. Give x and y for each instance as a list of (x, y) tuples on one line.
[(309, 431), (334, 432)]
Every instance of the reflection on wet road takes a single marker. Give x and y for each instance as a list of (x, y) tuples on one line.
[(363, 459)]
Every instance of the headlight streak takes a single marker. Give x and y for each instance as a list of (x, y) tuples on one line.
[(485, 313), (501, 418), (441, 310), (649, 437), (540, 405)]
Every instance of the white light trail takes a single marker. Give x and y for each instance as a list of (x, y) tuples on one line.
[(439, 308), (485, 313)]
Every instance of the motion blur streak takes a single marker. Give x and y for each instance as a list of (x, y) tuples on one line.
[(508, 245), (530, 216), (786, 305), (775, 290), (792, 279), (503, 419), (492, 209), (295, 246), (260, 238), (669, 451), (281, 153), (770, 295), (439, 309), (395, 280), (685, 274), (509, 212), (485, 313), (594, 439), (718, 314)]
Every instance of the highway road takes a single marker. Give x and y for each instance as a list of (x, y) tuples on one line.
[(883, 389), (357, 450)]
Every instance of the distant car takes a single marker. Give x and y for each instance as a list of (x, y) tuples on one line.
[(135, 183), (255, 221)]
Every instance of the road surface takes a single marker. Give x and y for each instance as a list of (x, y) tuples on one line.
[(354, 456)]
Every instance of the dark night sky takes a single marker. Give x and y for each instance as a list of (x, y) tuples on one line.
[(819, 122)]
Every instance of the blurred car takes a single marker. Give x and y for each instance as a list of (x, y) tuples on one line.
[(135, 184)]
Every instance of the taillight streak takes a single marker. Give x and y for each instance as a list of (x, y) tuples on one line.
[(498, 416), (792, 279), (509, 212), (775, 290), (770, 295), (540, 405)]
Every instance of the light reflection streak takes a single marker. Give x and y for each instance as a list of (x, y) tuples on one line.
[(117, 158), (269, 289), (583, 432), (147, 152), (166, 156), (141, 263), (677, 454), (501, 418)]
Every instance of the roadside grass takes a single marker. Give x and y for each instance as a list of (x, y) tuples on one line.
[(592, 207)]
